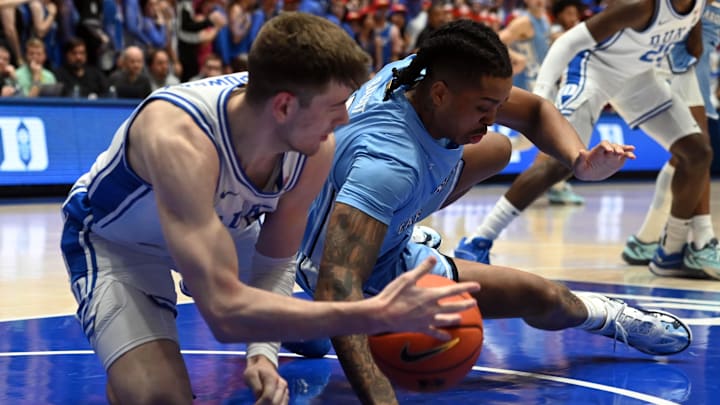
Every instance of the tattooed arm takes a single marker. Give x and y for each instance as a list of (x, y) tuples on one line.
[(352, 246)]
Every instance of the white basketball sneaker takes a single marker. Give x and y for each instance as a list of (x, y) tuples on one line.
[(657, 333)]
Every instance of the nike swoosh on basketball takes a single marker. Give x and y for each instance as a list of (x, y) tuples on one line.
[(408, 357)]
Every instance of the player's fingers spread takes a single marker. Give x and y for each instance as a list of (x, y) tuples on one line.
[(423, 268), (457, 306), (459, 288), (439, 334)]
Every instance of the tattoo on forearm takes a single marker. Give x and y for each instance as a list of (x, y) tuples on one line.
[(368, 382), (351, 249)]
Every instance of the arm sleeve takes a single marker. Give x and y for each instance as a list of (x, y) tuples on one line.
[(276, 275), (561, 52)]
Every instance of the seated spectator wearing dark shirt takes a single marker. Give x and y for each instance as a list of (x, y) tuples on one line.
[(129, 80), (158, 63), (80, 79)]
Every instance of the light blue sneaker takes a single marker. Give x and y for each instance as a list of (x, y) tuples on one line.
[(427, 236), (477, 249), (705, 259), (637, 252), (657, 333), (564, 196)]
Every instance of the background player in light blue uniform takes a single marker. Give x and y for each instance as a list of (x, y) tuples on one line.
[(417, 140), (691, 77), (182, 186)]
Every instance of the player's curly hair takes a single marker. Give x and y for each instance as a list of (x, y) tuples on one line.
[(460, 52)]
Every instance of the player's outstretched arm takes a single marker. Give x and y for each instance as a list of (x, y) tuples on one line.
[(351, 250), (602, 161)]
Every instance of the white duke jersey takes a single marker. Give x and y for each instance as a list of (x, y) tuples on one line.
[(629, 52), (114, 203)]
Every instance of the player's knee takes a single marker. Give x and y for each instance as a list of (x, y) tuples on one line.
[(693, 152), (501, 150)]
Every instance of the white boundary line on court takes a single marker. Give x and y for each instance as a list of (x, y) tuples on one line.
[(564, 380)]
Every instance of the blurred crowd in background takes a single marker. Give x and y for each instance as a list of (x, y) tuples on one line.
[(128, 48)]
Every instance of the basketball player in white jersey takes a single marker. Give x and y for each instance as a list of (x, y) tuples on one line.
[(182, 186), (689, 74), (612, 58)]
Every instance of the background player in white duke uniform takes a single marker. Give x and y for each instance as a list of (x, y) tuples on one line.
[(612, 57), (691, 78), (182, 186), (417, 140)]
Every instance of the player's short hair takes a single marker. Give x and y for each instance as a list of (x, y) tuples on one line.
[(560, 5), (302, 54), (460, 52)]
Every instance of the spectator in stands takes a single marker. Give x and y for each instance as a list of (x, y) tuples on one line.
[(130, 80), (436, 17), (79, 78), (566, 14), (44, 27), (391, 41), (89, 28), (290, 5), (212, 67), (233, 41), (8, 82), (32, 76), (194, 30), (11, 37), (159, 70), (145, 26)]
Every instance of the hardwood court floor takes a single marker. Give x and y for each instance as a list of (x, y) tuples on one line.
[(47, 360)]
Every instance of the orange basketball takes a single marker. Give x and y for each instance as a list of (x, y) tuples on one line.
[(418, 362)]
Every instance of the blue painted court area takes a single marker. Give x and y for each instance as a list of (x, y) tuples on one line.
[(48, 361)]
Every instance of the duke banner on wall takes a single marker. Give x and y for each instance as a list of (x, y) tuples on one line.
[(54, 141)]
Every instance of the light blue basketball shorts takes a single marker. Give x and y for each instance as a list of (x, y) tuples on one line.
[(384, 273)]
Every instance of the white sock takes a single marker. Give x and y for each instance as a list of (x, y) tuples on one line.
[(498, 219), (676, 234), (702, 230), (659, 209), (559, 186), (597, 315)]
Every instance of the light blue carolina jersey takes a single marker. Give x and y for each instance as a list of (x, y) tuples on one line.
[(386, 165), (534, 49), (112, 202), (680, 60)]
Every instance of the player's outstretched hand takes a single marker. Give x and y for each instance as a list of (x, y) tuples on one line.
[(409, 308), (265, 382), (602, 161)]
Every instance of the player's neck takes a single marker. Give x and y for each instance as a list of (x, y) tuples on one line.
[(255, 142)]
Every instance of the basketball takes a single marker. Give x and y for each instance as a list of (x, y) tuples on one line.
[(418, 362)]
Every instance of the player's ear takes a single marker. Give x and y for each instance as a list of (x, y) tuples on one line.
[(439, 92), (284, 104)]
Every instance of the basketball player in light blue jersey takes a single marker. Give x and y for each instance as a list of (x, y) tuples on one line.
[(529, 35), (182, 186), (417, 140), (612, 58), (690, 69)]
